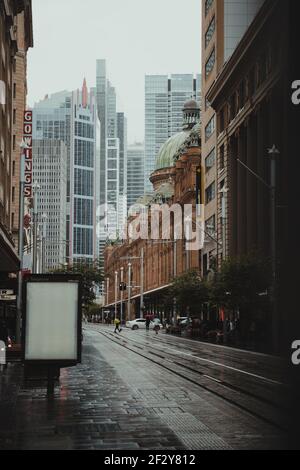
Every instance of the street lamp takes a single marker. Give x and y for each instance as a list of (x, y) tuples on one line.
[(116, 293), (129, 292), (273, 154), (121, 307), (107, 290), (141, 258)]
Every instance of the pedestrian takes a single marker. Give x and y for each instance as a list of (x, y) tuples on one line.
[(117, 325), (156, 328), (148, 322)]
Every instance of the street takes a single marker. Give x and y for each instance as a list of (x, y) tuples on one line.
[(138, 390)]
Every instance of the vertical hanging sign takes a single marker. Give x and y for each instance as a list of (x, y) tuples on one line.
[(27, 131)]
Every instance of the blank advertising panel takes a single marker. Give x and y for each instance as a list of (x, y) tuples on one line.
[(52, 321)]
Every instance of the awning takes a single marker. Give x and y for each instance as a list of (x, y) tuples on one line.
[(152, 291), (139, 295)]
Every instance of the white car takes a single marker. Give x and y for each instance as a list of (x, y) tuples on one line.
[(140, 323)]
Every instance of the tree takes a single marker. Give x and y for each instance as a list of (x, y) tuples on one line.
[(240, 283), (190, 292), (92, 277)]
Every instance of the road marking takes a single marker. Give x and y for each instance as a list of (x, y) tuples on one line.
[(212, 378), (275, 382), (227, 367)]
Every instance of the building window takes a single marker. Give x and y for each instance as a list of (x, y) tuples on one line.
[(210, 63), (210, 160), (232, 107), (210, 193), (210, 128), (14, 142), (14, 116), (222, 157), (13, 191), (210, 225), (210, 31), (15, 91), (208, 4), (14, 168), (222, 119)]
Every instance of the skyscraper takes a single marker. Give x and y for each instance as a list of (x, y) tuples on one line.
[(50, 170), (71, 117), (135, 173), (164, 100), (113, 157)]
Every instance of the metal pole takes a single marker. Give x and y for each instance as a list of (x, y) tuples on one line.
[(103, 296), (122, 280), (44, 235), (174, 274), (116, 294), (129, 292), (35, 226), (142, 283), (273, 152), (187, 251), (107, 290), (21, 247)]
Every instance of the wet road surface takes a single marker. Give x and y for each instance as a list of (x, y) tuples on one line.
[(137, 390)]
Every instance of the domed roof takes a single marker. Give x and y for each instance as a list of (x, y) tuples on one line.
[(191, 104), (169, 149)]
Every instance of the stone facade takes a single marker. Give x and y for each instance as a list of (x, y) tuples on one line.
[(159, 256), (15, 38)]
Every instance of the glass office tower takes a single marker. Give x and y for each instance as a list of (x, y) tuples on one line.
[(164, 100), (70, 117)]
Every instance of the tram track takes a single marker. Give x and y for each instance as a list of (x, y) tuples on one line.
[(258, 406)]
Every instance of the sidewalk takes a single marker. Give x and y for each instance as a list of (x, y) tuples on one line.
[(92, 409)]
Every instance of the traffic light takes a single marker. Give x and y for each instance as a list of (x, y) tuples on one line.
[(123, 286)]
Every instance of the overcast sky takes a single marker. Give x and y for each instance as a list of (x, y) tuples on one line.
[(136, 37)]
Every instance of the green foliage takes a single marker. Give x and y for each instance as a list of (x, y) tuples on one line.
[(190, 292), (92, 276), (239, 283)]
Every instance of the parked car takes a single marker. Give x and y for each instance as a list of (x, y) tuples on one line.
[(183, 321), (140, 323)]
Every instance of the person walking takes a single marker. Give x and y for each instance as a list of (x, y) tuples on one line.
[(156, 328), (117, 323)]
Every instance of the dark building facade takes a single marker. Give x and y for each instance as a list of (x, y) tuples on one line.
[(249, 99)]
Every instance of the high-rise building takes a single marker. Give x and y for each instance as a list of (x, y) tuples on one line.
[(224, 23), (135, 173), (164, 100), (71, 117), (122, 136), (113, 160), (50, 170)]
